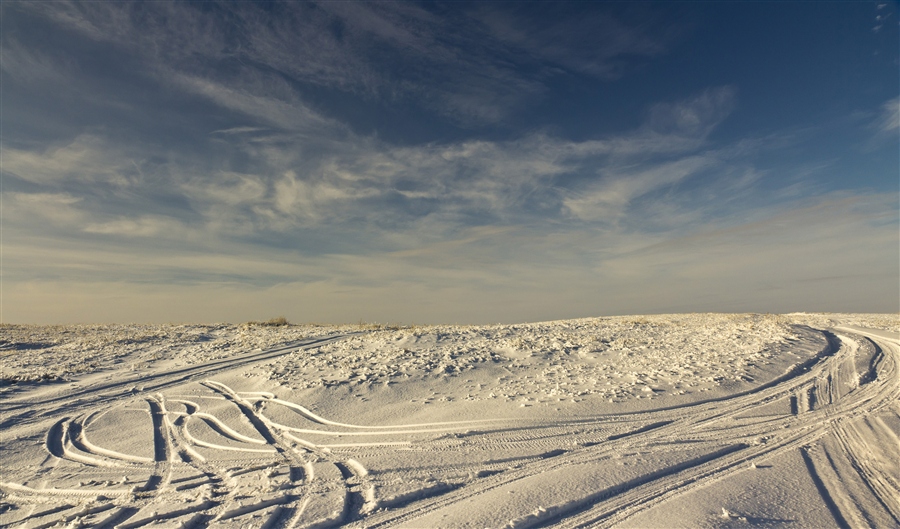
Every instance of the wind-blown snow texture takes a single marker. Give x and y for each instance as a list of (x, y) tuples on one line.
[(614, 358), (696, 420)]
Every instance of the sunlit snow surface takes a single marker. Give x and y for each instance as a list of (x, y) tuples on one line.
[(698, 420)]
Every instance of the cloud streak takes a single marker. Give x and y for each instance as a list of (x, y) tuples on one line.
[(888, 122)]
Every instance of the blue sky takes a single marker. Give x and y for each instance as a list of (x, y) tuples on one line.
[(449, 162)]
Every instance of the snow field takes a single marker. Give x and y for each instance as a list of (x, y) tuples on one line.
[(695, 420)]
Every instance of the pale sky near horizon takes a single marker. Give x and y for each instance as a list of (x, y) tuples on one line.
[(446, 162)]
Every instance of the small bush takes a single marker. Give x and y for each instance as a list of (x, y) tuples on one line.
[(274, 322)]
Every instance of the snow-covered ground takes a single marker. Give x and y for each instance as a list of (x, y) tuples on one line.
[(689, 420)]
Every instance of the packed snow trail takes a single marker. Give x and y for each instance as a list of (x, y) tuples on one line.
[(190, 449), (118, 385)]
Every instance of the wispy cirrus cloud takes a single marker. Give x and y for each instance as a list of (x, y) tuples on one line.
[(88, 158), (609, 199), (450, 62), (141, 226), (267, 100), (695, 117), (889, 121), (403, 195)]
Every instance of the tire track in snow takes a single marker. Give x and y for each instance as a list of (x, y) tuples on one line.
[(823, 490), (817, 425), (66, 439), (688, 421), (103, 395)]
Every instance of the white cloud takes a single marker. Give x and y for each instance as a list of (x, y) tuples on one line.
[(889, 120), (31, 66), (609, 199), (290, 114), (296, 197), (142, 226), (87, 158), (27, 208), (226, 188), (239, 130), (45, 200), (65, 216), (695, 117)]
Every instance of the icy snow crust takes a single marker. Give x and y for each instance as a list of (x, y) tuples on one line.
[(693, 420), (612, 358)]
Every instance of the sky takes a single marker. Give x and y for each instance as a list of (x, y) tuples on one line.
[(446, 162)]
